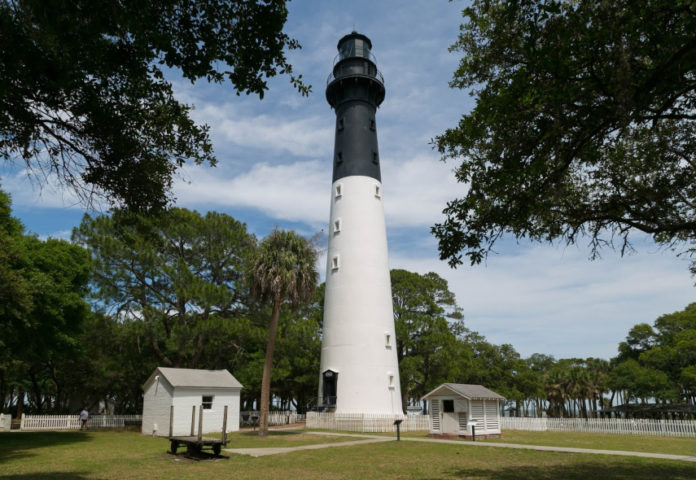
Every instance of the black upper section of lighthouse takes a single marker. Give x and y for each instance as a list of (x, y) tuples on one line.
[(354, 90)]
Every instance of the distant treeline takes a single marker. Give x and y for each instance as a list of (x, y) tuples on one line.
[(87, 321)]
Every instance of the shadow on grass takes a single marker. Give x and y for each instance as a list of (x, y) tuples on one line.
[(18, 445), (46, 476), (583, 471)]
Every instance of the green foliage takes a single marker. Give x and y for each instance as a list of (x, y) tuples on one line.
[(15, 286), (583, 125), (658, 361), (283, 268), (83, 92), (42, 309), (282, 272), (180, 272), (426, 346)]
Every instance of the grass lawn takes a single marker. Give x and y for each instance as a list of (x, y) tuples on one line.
[(604, 441), (130, 455), (279, 438)]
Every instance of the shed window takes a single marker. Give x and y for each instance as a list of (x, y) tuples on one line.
[(448, 405), (207, 402)]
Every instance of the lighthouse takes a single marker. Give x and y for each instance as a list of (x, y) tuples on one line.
[(359, 367)]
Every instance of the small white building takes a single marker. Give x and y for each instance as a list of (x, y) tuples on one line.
[(455, 407), (189, 391)]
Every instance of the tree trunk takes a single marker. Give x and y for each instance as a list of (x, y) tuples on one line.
[(267, 366), (20, 403)]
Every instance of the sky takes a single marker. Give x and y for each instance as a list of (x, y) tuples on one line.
[(275, 165)]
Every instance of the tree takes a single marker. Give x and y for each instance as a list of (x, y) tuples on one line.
[(42, 309), (298, 351), (283, 271), (182, 273), (15, 287), (583, 127), (83, 92), (426, 346)]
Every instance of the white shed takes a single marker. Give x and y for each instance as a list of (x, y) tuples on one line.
[(189, 391), (454, 407)]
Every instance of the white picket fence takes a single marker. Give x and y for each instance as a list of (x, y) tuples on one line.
[(72, 422), (358, 422), (382, 423), (284, 418), (5, 422), (624, 426), (275, 418)]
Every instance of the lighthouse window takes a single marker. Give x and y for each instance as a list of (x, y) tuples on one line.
[(359, 48), (339, 190), (335, 262), (387, 340), (339, 157), (375, 158), (372, 124), (340, 124), (378, 191), (391, 381), (337, 225)]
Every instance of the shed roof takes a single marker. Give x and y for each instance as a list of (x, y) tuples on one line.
[(472, 392), (196, 378)]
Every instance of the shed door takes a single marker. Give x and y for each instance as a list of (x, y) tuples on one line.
[(450, 418)]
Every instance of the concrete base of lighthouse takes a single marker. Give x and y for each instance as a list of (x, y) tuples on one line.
[(359, 367)]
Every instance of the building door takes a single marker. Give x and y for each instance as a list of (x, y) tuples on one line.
[(329, 387), (450, 419)]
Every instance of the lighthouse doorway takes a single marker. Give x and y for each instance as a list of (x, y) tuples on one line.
[(329, 385)]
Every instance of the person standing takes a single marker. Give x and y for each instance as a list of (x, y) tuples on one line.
[(84, 416)]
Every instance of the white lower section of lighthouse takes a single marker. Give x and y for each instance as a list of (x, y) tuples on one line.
[(359, 366)]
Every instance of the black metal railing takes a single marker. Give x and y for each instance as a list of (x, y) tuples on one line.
[(321, 404), (366, 71)]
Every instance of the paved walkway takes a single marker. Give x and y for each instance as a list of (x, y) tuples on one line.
[(259, 452)]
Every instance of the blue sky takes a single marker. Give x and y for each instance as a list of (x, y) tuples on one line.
[(275, 170)]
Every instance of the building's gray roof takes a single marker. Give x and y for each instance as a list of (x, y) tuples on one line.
[(196, 378), (472, 392)]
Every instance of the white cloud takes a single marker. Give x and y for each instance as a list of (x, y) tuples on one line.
[(555, 301), (306, 136), (32, 190), (293, 192), (415, 191)]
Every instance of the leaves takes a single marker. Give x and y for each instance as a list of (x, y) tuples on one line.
[(83, 93), (583, 125), (180, 272)]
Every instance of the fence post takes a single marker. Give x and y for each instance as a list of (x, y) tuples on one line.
[(200, 422), (193, 420), (21, 424)]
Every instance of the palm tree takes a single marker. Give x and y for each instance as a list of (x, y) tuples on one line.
[(283, 270)]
